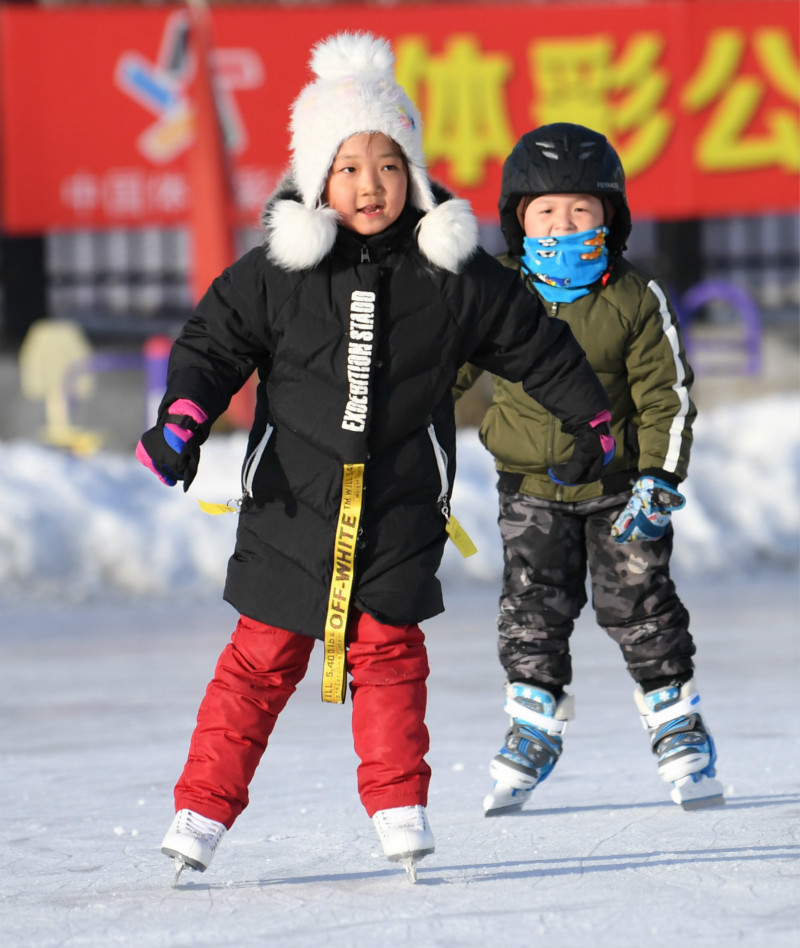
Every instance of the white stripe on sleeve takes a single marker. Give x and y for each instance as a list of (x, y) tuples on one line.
[(679, 420)]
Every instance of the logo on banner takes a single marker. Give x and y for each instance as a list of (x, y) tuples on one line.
[(161, 87)]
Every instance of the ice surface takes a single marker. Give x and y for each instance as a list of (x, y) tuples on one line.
[(98, 702), (99, 686)]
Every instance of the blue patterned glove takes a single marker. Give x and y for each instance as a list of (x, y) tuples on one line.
[(647, 513)]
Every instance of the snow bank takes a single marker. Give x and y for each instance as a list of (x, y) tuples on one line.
[(77, 528)]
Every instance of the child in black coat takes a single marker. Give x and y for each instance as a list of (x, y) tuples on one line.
[(369, 293)]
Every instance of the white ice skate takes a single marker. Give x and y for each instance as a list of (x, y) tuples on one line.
[(532, 746), (191, 840), (679, 738), (405, 836)]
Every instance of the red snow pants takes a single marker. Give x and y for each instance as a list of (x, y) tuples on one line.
[(257, 673)]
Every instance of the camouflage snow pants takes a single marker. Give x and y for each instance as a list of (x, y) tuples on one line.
[(548, 547)]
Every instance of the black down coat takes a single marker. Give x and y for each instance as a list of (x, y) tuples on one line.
[(356, 359)]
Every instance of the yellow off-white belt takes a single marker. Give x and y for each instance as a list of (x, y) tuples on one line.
[(334, 664), (344, 550)]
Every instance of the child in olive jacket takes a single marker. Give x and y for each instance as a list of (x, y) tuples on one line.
[(368, 295), (565, 217)]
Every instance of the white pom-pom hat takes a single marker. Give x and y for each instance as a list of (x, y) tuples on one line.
[(354, 91)]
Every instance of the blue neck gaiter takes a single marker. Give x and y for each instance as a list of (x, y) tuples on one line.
[(566, 267)]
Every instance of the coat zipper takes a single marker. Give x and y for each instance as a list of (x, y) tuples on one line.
[(559, 487), (252, 462), (441, 462)]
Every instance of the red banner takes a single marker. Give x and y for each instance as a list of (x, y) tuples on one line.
[(702, 100)]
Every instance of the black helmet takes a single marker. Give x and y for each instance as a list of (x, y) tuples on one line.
[(563, 159)]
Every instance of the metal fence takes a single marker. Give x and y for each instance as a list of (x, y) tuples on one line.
[(135, 281)]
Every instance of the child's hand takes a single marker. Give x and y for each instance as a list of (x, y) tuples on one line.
[(594, 448), (647, 513), (171, 450)]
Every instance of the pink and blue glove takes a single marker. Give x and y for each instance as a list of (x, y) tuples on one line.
[(594, 448), (647, 513), (171, 450)]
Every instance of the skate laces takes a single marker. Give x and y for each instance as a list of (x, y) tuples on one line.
[(403, 817), (193, 824)]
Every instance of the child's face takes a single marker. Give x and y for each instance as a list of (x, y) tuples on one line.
[(367, 183), (554, 215)]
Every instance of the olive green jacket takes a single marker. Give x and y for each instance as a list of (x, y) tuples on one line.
[(631, 336)]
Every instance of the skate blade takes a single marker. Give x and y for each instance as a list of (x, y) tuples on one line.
[(703, 802), (410, 866), (409, 862), (501, 809), (504, 800), (180, 865), (181, 862), (697, 795)]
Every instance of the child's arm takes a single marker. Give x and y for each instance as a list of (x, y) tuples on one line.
[(214, 355), (522, 344), (518, 341), (660, 379), (218, 348)]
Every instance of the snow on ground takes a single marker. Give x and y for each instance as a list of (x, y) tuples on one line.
[(73, 528), (111, 624)]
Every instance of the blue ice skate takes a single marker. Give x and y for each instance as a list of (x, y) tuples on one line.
[(679, 738), (532, 746)]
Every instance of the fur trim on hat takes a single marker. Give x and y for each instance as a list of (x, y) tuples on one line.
[(448, 235), (298, 237), (354, 91)]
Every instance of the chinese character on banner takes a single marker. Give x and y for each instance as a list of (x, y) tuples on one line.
[(727, 142), (167, 193), (466, 113), (124, 193), (81, 193), (580, 80)]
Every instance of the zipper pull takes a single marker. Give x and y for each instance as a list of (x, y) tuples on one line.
[(233, 506), (365, 254)]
